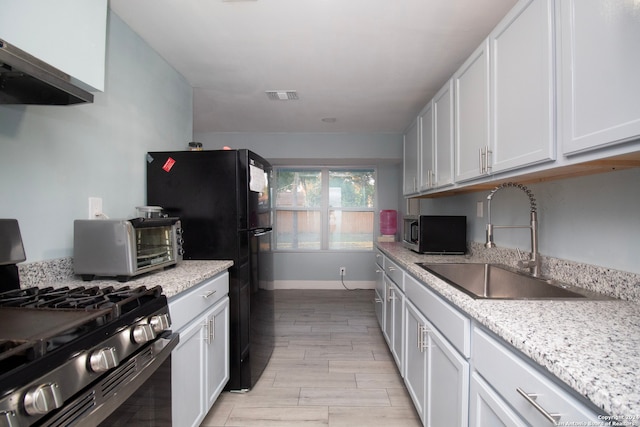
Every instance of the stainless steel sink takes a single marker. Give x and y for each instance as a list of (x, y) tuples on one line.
[(493, 281)]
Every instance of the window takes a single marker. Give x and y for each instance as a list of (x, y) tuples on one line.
[(324, 208)]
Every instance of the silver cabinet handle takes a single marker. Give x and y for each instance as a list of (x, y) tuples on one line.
[(208, 294), (422, 341), (531, 398), (391, 295), (210, 324), (392, 269), (378, 300)]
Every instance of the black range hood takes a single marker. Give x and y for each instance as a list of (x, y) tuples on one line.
[(25, 79)]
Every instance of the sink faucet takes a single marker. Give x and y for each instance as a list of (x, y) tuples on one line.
[(533, 263)]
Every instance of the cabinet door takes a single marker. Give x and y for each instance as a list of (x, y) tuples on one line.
[(388, 311), (217, 350), (379, 308), (379, 304), (443, 135), (522, 90), (486, 408), (599, 62), (415, 357), (427, 149), (188, 376), (471, 84), (411, 159), (447, 384), (398, 328)]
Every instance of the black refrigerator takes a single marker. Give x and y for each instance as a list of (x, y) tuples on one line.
[(223, 199)]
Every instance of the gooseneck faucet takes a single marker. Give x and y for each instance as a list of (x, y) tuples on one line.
[(533, 263)]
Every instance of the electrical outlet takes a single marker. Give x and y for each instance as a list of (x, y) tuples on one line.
[(95, 207), (480, 209), (343, 271)]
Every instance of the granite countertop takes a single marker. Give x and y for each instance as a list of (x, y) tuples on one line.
[(173, 280), (592, 346)]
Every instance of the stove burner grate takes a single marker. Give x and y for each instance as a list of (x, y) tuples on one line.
[(121, 300)]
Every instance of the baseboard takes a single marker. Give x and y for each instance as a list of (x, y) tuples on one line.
[(323, 284)]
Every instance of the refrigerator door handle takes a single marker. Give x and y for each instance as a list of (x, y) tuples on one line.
[(262, 232)]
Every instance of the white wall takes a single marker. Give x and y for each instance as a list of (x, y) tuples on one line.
[(592, 219), (53, 158)]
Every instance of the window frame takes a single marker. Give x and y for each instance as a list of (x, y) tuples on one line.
[(324, 207)]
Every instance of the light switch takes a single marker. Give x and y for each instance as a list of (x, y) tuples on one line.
[(480, 209), (95, 207)]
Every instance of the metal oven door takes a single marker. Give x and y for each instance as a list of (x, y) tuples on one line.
[(137, 392)]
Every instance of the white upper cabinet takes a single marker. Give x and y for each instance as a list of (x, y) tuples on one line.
[(471, 84), (411, 159), (443, 134), (436, 140), (67, 34), (427, 148), (504, 111), (522, 89), (599, 63)]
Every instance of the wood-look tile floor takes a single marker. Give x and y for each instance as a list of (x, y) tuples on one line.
[(331, 366)]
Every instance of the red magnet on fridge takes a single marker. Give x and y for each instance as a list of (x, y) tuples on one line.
[(168, 164)]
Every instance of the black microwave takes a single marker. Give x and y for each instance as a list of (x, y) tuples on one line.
[(435, 234)]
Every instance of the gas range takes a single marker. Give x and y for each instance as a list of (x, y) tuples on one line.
[(66, 352)]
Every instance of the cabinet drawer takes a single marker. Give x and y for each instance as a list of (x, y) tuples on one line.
[(449, 321), (379, 258), (393, 272), (187, 305), (507, 372)]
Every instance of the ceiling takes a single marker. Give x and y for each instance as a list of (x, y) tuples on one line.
[(370, 64)]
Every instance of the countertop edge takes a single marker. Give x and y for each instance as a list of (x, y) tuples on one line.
[(173, 280)]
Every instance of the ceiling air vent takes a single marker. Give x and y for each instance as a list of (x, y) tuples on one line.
[(282, 95)]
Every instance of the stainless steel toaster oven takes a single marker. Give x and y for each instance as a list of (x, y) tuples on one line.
[(125, 248)]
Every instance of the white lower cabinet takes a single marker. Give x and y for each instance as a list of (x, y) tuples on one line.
[(486, 407), (436, 375), (459, 374), (216, 351), (415, 371), (393, 325), (200, 362), (397, 317), (387, 330), (533, 396), (379, 289)]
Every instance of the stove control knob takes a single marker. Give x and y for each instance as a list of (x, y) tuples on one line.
[(143, 333), (104, 359), (160, 323), (43, 399)]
